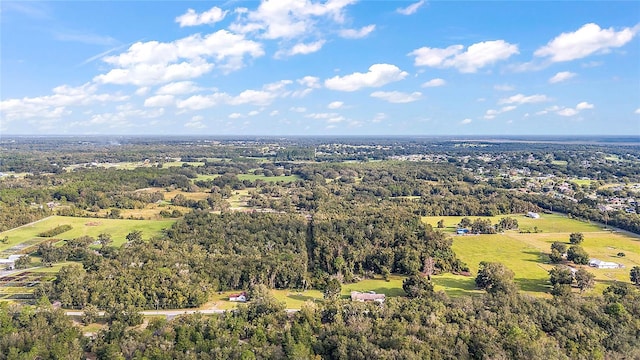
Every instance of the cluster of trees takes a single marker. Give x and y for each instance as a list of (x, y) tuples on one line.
[(484, 226), (205, 252), (500, 324)]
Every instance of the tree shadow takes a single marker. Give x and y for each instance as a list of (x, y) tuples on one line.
[(533, 285)]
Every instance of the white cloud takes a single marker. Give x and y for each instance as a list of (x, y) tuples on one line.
[(378, 75), (411, 9), (397, 97), (589, 39), (466, 121), (253, 113), (289, 19), (159, 101), (335, 105), (503, 87), (299, 109), (178, 88), (199, 102), (567, 112), (571, 111), (336, 119), (310, 81), (301, 49), (492, 113), (434, 83), (522, 99), (274, 113), (55, 105), (153, 62), (142, 91), (357, 33), (146, 74), (475, 57), (321, 116), (561, 76), (584, 106), (192, 18), (254, 97), (637, 111), (235, 116)]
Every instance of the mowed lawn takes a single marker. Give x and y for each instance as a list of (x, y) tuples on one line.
[(527, 253), (117, 228)]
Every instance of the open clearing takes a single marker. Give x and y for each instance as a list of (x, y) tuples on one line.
[(117, 228), (527, 253)]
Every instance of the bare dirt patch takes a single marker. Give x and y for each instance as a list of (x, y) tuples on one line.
[(93, 223)]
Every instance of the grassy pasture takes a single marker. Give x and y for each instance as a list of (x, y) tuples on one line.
[(283, 178), (581, 182), (118, 229), (527, 254), (547, 223)]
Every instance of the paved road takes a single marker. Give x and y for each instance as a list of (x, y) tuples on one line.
[(170, 313)]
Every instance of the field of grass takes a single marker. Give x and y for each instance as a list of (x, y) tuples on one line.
[(283, 178), (547, 223), (527, 254), (118, 229), (581, 182)]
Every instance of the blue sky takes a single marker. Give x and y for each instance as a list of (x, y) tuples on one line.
[(305, 67)]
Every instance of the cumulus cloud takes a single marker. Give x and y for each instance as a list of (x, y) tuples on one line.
[(335, 105), (289, 19), (569, 111), (637, 111), (561, 76), (192, 18), (235, 116), (299, 109), (397, 97), (466, 121), (159, 101), (377, 76), (301, 49), (178, 88), (492, 113), (153, 62), (589, 39), (357, 33), (522, 99), (475, 57), (584, 106), (434, 83), (55, 105), (411, 9)]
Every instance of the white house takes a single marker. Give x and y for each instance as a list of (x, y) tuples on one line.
[(242, 297), (533, 215), (599, 264)]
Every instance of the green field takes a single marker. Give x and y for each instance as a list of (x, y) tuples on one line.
[(118, 229), (283, 178), (526, 253), (582, 182)]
